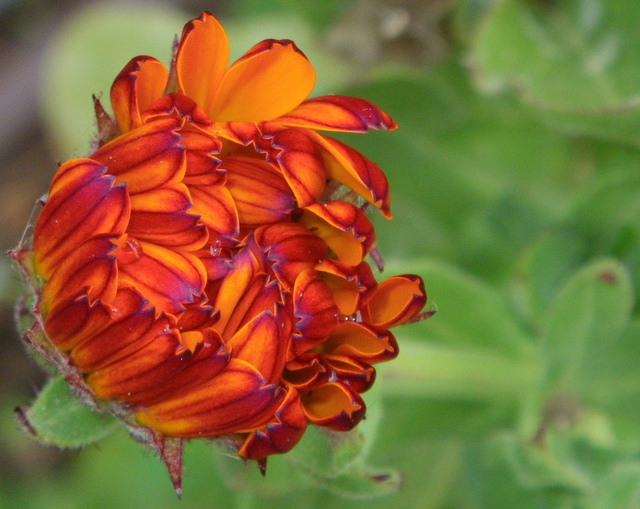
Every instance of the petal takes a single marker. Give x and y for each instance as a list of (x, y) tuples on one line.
[(357, 375), (282, 434), (139, 84), (361, 341), (217, 210), (334, 406), (263, 343), (90, 269), (160, 216), (259, 191), (145, 158), (307, 372), (290, 248), (82, 203), (202, 161), (396, 300), (343, 226), (355, 171), (269, 80), (315, 312), (235, 400), (338, 113), (168, 279), (177, 106), (202, 59), (352, 287)]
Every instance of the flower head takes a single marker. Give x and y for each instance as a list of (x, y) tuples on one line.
[(203, 270)]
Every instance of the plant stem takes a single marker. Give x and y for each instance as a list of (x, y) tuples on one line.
[(429, 370)]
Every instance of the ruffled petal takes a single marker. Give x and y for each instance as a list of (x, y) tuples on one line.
[(161, 216), (263, 343), (145, 158), (396, 300), (357, 375), (201, 60), (307, 372), (351, 168), (280, 435), (290, 249), (259, 191), (167, 278), (343, 226), (315, 312), (361, 341), (90, 269), (235, 400), (301, 164), (352, 287), (138, 85), (269, 80), (82, 203), (334, 406), (180, 107), (338, 113)]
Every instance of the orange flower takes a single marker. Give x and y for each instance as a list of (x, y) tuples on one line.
[(203, 270)]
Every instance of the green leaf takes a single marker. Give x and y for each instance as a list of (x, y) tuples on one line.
[(59, 419), (575, 62), (591, 310)]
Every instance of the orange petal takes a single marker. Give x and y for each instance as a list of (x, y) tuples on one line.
[(301, 164), (351, 287), (343, 226), (269, 80), (177, 106), (334, 406), (280, 435), (259, 191), (168, 279), (82, 203), (217, 210), (357, 375), (145, 158), (338, 113), (355, 171), (396, 300), (202, 161), (139, 84), (235, 400), (290, 249), (161, 216), (307, 372), (315, 312), (90, 269), (361, 341), (263, 343), (202, 59)]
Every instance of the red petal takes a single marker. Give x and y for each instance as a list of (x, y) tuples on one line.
[(168, 279), (291, 249), (355, 171), (82, 203), (315, 311), (301, 163), (177, 106), (352, 287), (278, 436), (361, 341), (145, 158), (343, 226), (161, 216), (259, 191), (263, 343), (396, 300), (217, 210), (334, 406), (307, 372), (202, 160), (357, 375), (139, 84), (235, 400), (269, 80), (338, 113)]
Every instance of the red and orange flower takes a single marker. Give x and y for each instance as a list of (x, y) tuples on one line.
[(204, 269)]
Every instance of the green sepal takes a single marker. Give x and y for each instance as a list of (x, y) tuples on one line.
[(57, 418)]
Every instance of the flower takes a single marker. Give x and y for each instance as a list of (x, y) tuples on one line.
[(202, 273)]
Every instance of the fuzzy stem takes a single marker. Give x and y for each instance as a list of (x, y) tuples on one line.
[(436, 371)]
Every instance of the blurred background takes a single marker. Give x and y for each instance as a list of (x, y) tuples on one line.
[(515, 186)]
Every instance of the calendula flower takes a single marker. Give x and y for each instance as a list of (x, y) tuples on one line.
[(202, 273)]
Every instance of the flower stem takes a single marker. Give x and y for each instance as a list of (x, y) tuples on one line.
[(437, 371)]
